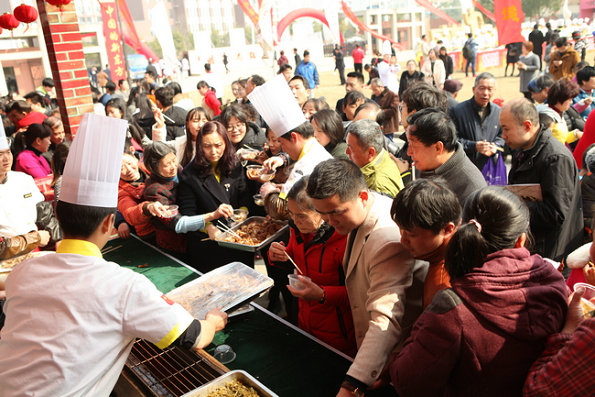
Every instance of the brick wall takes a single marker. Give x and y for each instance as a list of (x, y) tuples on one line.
[(67, 60)]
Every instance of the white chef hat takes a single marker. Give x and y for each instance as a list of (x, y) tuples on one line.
[(386, 48), (94, 162), (277, 105), (3, 139)]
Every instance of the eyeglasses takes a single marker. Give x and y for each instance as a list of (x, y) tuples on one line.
[(236, 127)]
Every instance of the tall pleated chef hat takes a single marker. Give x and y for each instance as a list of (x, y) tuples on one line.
[(277, 105), (94, 162), (386, 48), (3, 139)]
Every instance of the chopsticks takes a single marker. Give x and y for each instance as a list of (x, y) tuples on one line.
[(227, 228), (294, 264), (110, 249)]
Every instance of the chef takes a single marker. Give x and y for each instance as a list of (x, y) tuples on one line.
[(72, 317), (296, 135), (18, 195)]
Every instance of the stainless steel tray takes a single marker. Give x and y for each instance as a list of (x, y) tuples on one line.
[(239, 375), (227, 287), (250, 248)]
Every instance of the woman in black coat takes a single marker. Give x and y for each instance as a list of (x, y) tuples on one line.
[(214, 177), (447, 60)]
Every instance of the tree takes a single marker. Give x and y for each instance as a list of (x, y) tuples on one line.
[(532, 8), (219, 39), (347, 28), (156, 47), (248, 33), (182, 42)]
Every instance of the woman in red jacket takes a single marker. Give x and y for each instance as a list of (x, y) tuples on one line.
[(318, 251)]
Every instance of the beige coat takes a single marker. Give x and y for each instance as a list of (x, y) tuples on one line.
[(379, 272), (438, 77)]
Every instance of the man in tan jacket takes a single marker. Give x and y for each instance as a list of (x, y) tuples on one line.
[(563, 60), (384, 283)]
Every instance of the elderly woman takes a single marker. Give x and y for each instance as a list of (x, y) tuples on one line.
[(241, 131), (318, 251), (160, 161), (480, 337), (214, 178), (329, 132), (559, 98), (313, 105), (57, 137)]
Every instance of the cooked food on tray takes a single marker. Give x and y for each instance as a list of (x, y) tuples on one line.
[(12, 262), (254, 233), (234, 389), (224, 287)]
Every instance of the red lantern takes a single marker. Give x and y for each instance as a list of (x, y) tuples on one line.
[(25, 14), (8, 21), (59, 3)]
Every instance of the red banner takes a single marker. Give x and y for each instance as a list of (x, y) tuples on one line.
[(509, 17), (113, 41), (351, 16), (436, 11), (249, 11)]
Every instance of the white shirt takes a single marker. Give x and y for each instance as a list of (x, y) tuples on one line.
[(71, 320), (18, 199), (312, 154)]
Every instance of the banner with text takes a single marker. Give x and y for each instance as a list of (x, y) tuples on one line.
[(113, 41), (509, 17)]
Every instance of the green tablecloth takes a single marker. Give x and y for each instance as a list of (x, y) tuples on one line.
[(276, 353), (165, 272)]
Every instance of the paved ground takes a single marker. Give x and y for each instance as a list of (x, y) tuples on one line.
[(507, 87)]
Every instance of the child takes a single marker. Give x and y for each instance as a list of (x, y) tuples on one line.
[(72, 317)]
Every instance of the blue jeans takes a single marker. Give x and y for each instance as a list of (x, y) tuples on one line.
[(472, 63)]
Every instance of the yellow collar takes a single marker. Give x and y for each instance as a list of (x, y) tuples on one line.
[(307, 147), (79, 247)]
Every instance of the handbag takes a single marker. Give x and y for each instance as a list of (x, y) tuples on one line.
[(494, 172)]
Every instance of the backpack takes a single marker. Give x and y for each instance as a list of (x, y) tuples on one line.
[(467, 50)]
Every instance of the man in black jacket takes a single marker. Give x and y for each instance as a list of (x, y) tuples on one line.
[(174, 116), (537, 38), (476, 119), (557, 220)]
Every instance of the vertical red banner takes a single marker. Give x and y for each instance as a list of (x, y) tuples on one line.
[(113, 41), (509, 17)]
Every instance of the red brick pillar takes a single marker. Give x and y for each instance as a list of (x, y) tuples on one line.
[(67, 60)]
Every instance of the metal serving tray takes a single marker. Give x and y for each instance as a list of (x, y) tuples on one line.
[(227, 287), (239, 375), (250, 248)]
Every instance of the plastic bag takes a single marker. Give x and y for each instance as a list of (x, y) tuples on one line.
[(494, 172)]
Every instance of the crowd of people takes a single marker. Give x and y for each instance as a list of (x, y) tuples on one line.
[(433, 281)]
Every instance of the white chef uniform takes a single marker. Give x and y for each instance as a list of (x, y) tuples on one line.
[(18, 199), (72, 317), (78, 318)]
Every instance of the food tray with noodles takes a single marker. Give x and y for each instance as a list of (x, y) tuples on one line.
[(227, 287), (7, 265), (234, 383), (256, 232)]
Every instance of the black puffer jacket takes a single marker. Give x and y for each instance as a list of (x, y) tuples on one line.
[(557, 221), (254, 138), (175, 121)]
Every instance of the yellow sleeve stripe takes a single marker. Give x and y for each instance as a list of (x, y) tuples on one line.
[(174, 333)]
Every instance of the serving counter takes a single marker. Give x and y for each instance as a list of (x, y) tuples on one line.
[(281, 356)]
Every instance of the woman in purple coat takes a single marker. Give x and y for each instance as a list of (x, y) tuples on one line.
[(480, 337)]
